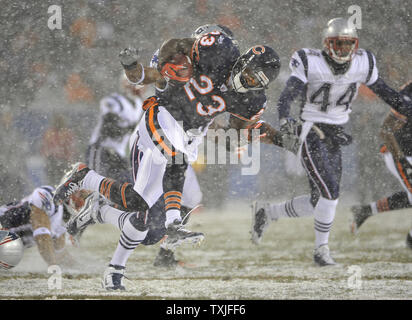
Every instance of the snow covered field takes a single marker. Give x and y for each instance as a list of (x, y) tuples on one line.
[(228, 266)]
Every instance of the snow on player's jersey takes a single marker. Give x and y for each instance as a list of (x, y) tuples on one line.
[(246, 106), (329, 97), (404, 135), (129, 113), (16, 216), (199, 100)]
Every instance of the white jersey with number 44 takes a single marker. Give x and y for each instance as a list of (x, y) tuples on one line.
[(329, 97)]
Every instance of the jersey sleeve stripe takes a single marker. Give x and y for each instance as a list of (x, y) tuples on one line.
[(239, 116), (399, 116), (404, 177), (153, 127), (304, 58), (371, 66)]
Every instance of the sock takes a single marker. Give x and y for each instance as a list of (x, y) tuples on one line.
[(171, 216), (130, 238), (297, 207), (324, 215), (92, 181), (173, 201), (398, 200), (113, 216)]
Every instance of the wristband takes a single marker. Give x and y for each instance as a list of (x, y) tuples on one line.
[(40, 231), (141, 78)]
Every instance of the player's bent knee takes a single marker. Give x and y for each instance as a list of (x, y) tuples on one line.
[(137, 220)]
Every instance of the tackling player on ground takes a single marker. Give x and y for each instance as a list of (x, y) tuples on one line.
[(328, 82), (38, 221)]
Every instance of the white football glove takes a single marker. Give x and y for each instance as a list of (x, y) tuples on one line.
[(290, 138), (128, 58)]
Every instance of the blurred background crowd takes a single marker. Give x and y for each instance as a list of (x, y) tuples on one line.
[(52, 82)]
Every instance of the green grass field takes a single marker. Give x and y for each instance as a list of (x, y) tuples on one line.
[(228, 266)]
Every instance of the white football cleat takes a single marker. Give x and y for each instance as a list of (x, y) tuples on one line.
[(322, 256), (260, 221), (87, 216), (113, 278)]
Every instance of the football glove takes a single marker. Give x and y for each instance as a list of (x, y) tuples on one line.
[(128, 58), (290, 138)]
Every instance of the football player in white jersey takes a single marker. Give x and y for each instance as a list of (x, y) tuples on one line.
[(328, 82), (119, 114), (38, 221)]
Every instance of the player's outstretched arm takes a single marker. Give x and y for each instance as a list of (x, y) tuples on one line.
[(392, 123), (42, 235), (63, 257), (137, 73), (293, 89), (387, 94), (267, 134)]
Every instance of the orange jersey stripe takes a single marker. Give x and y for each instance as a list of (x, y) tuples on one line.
[(399, 116), (156, 134), (404, 178)]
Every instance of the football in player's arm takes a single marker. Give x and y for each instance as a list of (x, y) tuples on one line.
[(137, 73)]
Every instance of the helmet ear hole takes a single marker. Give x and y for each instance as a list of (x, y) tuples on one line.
[(261, 63)]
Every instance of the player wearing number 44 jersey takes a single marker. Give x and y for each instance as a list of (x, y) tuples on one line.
[(173, 126), (328, 81)]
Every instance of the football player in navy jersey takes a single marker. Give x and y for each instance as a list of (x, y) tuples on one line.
[(327, 80), (396, 132), (174, 125)]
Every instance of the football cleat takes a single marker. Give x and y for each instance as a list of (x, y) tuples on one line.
[(260, 221), (71, 182), (360, 214), (113, 278), (185, 213), (322, 256), (409, 240), (87, 216), (178, 235), (165, 259)]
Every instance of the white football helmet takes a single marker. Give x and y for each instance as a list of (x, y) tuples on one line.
[(340, 40), (11, 249)]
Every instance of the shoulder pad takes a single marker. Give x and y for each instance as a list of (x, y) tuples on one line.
[(313, 52)]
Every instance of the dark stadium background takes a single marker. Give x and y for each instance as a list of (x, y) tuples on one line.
[(48, 73)]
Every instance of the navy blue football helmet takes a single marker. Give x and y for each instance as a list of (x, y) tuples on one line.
[(255, 69)]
